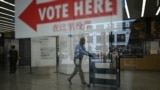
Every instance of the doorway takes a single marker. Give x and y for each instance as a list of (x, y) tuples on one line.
[(25, 52)]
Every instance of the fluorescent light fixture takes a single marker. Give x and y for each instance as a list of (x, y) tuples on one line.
[(6, 22), (126, 8), (6, 14), (4, 26), (158, 11), (7, 3), (143, 8), (7, 30), (7, 27), (6, 18), (7, 9)]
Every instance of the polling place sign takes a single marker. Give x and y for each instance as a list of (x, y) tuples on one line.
[(55, 17)]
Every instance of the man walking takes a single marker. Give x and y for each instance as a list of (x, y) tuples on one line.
[(79, 52)]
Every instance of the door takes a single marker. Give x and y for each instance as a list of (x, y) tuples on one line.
[(24, 52)]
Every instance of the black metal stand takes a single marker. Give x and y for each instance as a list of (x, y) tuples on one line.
[(113, 71)]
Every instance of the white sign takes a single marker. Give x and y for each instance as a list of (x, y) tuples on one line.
[(43, 51), (55, 17)]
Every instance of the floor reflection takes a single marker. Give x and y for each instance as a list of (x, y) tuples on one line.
[(46, 79)]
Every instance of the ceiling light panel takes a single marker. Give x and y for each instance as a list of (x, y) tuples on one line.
[(7, 31), (143, 8), (4, 26), (7, 3), (126, 8), (6, 22), (6, 14), (158, 11), (6, 9), (6, 18)]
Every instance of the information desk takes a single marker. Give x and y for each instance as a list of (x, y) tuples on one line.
[(102, 72)]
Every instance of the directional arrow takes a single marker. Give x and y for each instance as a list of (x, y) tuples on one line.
[(31, 16), (63, 10)]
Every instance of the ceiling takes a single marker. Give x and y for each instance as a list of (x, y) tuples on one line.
[(135, 8), (7, 22)]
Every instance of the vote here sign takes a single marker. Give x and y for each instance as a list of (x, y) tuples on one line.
[(55, 17)]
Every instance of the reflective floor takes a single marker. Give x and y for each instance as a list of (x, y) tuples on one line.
[(47, 79)]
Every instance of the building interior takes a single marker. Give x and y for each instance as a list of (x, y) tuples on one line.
[(45, 63)]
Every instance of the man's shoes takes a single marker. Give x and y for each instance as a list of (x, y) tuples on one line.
[(69, 81)]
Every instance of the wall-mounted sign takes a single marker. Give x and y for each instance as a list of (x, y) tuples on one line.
[(54, 17)]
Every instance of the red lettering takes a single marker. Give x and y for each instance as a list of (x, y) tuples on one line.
[(55, 28), (73, 26)]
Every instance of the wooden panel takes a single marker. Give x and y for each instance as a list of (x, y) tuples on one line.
[(144, 63), (148, 62), (128, 63)]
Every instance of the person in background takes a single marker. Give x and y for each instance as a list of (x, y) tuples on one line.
[(79, 52), (13, 57)]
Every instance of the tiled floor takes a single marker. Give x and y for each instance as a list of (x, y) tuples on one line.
[(46, 79)]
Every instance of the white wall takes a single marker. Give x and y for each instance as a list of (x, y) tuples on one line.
[(43, 51)]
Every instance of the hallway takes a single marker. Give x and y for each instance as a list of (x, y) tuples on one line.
[(47, 79)]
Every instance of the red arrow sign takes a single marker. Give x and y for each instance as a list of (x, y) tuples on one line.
[(62, 10), (30, 15)]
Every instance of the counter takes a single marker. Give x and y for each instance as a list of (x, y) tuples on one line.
[(147, 62)]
